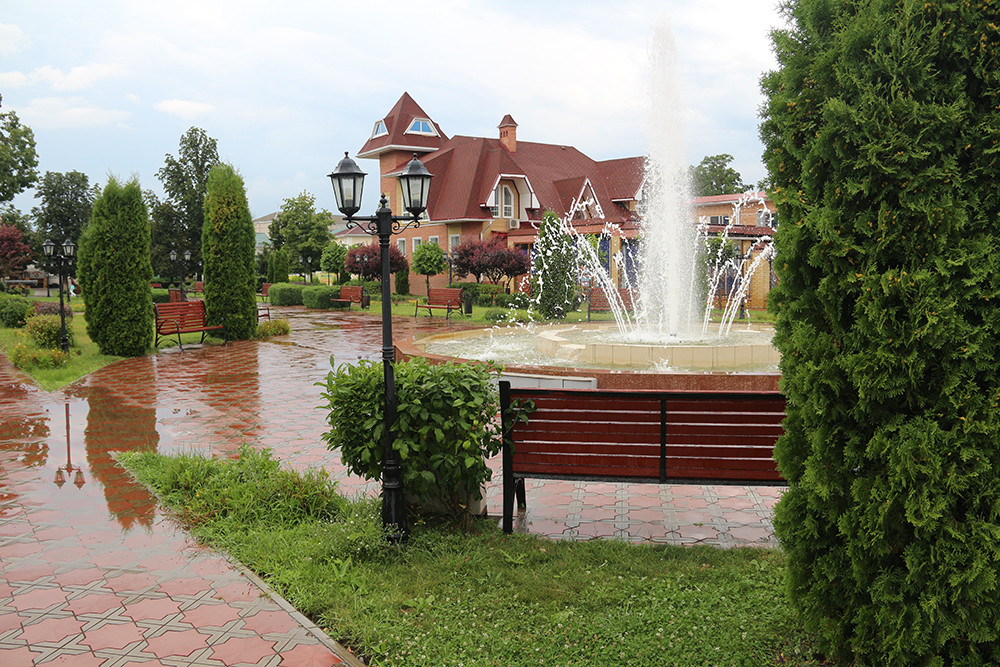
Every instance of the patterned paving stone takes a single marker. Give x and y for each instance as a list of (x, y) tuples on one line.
[(102, 561)]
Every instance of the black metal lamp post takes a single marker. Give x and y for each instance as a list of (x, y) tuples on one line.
[(61, 472), (414, 181), (68, 250), (450, 256)]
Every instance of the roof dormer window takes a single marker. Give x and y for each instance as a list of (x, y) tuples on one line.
[(422, 126), (379, 129)]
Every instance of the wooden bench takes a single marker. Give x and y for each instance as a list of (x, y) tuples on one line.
[(441, 298), (198, 287), (263, 291), (597, 299), (176, 295), (638, 436), (349, 294), (174, 319)]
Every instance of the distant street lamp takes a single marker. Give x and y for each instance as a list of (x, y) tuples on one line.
[(415, 182), (61, 472), (364, 267), (450, 256), (68, 250)]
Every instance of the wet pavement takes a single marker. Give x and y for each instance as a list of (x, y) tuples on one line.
[(93, 573)]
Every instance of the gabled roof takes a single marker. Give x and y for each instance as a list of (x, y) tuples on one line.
[(397, 137), (466, 169)]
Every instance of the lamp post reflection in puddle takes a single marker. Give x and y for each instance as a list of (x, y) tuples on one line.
[(62, 471)]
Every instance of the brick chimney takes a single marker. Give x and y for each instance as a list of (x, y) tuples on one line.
[(508, 134)]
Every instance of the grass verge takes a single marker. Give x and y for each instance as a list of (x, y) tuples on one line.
[(84, 357), (455, 596)]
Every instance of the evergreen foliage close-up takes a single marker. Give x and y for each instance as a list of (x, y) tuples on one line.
[(554, 279), (114, 271), (228, 247), (882, 135)]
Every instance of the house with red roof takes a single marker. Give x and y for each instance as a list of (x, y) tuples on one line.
[(499, 187)]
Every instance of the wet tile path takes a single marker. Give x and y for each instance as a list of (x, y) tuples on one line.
[(92, 573)]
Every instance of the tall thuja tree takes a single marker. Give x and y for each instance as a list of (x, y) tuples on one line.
[(228, 246), (553, 285), (882, 130), (114, 271)]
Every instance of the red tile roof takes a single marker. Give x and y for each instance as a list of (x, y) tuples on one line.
[(396, 123)]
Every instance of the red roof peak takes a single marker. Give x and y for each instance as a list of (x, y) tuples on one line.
[(406, 127), (507, 121)]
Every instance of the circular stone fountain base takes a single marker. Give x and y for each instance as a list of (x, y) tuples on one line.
[(629, 366)]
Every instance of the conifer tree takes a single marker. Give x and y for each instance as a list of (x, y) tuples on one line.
[(114, 272), (554, 281), (227, 244), (882, 135)]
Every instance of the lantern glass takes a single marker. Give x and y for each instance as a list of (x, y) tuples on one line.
[(415, 183), (173, 255), (69, 248), (187, 255), (49, 247), (348, 183)]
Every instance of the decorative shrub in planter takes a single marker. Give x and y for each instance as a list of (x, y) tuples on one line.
[(46, 331), (445, 426)]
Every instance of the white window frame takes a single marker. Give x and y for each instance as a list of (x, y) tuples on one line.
[(416, 243), (429, 132), (454, 240), (434, 239), (508, 195), (375, 130), (401, 244)]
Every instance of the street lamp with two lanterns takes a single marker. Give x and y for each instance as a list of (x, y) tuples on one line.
[(68, 250), (414, 181)]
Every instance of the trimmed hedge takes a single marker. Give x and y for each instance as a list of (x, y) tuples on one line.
[(318, 296), (161, 295), (285, 294)]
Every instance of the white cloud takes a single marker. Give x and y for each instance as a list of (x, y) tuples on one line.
[(12, 40), (186, 109), (78, 78), (56, 113), (12, 79)]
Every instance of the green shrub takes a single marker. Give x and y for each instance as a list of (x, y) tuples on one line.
[(46, 331), (27, 357), (515, 300), (445, 425), (402, 282), (318, 296), (496, 315), (273, 328), (161, 295), (285, 294), (14, 310)]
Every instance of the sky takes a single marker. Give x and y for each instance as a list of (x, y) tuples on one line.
[(109, 86)]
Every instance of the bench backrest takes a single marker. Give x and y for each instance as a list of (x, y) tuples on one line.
[(445, 296), (352, 292), (598, 299), (186, 314), (198, 286), (651, 435)]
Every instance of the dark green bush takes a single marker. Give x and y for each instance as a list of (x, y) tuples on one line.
[(402, 282), (114, 270), (496, 314), (285, 294), (318, 296), (445, 429), (881, 132), (161, 295), (46, 331), (228, 247), (14, 310)]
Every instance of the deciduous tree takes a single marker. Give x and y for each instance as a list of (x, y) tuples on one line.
[(302, 230), (429, 260), (185, 181), (18, 160), (66, 204), (366, 260), (14, 252), (714, 176)]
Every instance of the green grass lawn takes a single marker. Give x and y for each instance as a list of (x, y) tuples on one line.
[(473, 596)]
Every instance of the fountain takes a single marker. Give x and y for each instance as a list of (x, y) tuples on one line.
[(665, 342)]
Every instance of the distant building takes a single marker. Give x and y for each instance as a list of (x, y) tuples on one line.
[(500, 187)]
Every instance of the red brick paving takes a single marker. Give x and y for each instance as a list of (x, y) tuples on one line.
[(94, 573)]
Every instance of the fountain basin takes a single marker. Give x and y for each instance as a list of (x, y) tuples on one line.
[(625, 366)]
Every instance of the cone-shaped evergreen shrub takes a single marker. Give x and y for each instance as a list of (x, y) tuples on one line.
[(227, 246), (882, 134), (114, 270)]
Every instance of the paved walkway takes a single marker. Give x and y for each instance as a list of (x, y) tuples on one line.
[(92, 573)]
